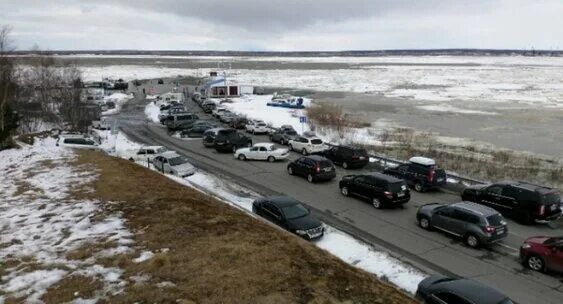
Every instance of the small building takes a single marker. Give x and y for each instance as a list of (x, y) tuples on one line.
[(221, 86)]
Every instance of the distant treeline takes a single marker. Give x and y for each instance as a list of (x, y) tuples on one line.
[(428, 52)]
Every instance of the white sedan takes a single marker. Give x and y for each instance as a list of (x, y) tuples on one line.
[(262, 151)]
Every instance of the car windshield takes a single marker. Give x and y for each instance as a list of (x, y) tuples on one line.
[(316, 141), (295, 211), (554, 240), (397, 187), (178, 160), (496, 220), (551, 198), (261, 124), (291, 132)]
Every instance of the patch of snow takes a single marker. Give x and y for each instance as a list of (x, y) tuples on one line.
[(117, 144), (152, 111), (165, 284), (119, 99), (145, 255), (451, 109)]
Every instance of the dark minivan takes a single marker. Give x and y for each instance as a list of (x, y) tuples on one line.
[(523, 201), (380, 189), (313, 167), (347, 157), (421, 173), (229, 140)]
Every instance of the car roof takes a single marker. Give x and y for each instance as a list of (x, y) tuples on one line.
[(267, 145), (528, 186), (419, 160), (72, 136), (169, 154), (316, 157), (282, 201), (472, 290), (385, 177), (152, 147), (475, 208)]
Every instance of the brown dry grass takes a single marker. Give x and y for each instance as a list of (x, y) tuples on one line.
[(218, 254)]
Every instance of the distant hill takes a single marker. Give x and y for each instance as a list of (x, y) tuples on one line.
[(428, 52)]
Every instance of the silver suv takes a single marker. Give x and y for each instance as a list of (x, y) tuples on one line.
[(476, 224)]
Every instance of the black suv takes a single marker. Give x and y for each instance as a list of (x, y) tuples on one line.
[(420, 173), (347, 157), (380, 189), (313, 167), (520, 200), (290, 214), (229, 140), (283, 136)]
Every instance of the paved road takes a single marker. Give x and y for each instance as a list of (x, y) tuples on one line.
[(394, 230)]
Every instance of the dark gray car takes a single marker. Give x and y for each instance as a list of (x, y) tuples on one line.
[(476, 224), (439, 289)]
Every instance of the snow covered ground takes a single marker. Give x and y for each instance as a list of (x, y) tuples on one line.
[(512, 80), (119, 99), (41, 222), (336, 242)]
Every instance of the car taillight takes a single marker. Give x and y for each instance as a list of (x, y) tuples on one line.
[(541, 209), (430, 175), (355, 157), (490, 229), (388, 194), (318, 169)]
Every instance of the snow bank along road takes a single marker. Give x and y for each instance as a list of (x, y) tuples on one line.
[(394, 229)]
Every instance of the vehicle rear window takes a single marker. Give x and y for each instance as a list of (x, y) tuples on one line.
[(551, 198), (261, 124), (397, 187), (316, 141), (496, 220)]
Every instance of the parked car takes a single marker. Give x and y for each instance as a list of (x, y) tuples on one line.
[(227, 117), (257, 127), (218, 111), (262, 151), (476, 224), (197, 129), (421, 173), (181, 121), (167, 114), (380, 189), (438, 289), (289, 214), (208, 106), (313, 167), (306, 145), (146, 154), (523, 201), (542, 253), (101, 124), (229, 140), (77, 141), (160, 81), (283, 136), (173, 163), (238, 122), (346, 156), (209, 137)]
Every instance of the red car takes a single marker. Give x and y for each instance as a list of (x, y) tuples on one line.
[(543, 253)]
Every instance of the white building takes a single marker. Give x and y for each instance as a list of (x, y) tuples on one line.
[(221, 86)]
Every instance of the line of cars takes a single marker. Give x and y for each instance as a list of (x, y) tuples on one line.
[(477, 218)]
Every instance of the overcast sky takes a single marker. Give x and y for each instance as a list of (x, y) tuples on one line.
[(284, 25)]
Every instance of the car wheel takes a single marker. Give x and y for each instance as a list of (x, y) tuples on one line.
[(344, 191), (535, 262), (472, 241), (310, 178), (418, 187), (242, 157), (290, 147), (424, 223), (290, 170), (345, 165), (304, 151), (271, 159), (376, 203)]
